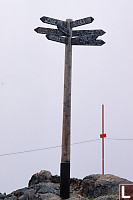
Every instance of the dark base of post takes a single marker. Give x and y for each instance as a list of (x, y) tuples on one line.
[(65, 180)]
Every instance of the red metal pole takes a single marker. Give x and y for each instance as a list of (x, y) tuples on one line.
[(103, 156), (103, 140), (103, 135)]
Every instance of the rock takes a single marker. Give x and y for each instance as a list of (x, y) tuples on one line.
[(24, 197), (101, 185), (43, 176), (24, 191), (45, 186), (55, 179), (108, 197), (49, 196), (77, 197), (11, 198), (2, 196), (75, 183), (32, 197), (48, 188)]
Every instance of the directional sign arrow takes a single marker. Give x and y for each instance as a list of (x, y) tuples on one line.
[(81, 22), (82, 41), (52, 21), (88, 32), (57, 38), (84, 38), (63, 29), (49, 31)]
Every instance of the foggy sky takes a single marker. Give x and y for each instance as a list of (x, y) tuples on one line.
[(31, 90)]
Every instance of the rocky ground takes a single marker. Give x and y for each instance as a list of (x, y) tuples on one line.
[(45, 186)]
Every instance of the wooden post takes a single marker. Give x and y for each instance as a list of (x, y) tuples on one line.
[(66, 130), (80, 37)]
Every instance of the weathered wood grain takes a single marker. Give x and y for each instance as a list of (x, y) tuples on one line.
[(67, 99)]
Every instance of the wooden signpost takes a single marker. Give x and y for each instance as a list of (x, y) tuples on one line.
[(64, 34)]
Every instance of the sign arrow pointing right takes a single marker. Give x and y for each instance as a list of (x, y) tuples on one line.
[(81, 22), (82, 41), (98, 32)]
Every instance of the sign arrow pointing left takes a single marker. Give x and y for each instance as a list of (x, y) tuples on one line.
[(49, 31), (57, 38), (52, 21)]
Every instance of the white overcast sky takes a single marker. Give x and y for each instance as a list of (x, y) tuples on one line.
[(31, 90)]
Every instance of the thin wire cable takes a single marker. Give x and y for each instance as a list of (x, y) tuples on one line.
[(118, 139), (85, 142), (28, 151), (54, 147), (45, 148)]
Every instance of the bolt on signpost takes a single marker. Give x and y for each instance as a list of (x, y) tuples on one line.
[(103, 135), (64, 34)]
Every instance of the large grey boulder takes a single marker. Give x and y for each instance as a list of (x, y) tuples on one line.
[(101, 185), (42, 176)]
